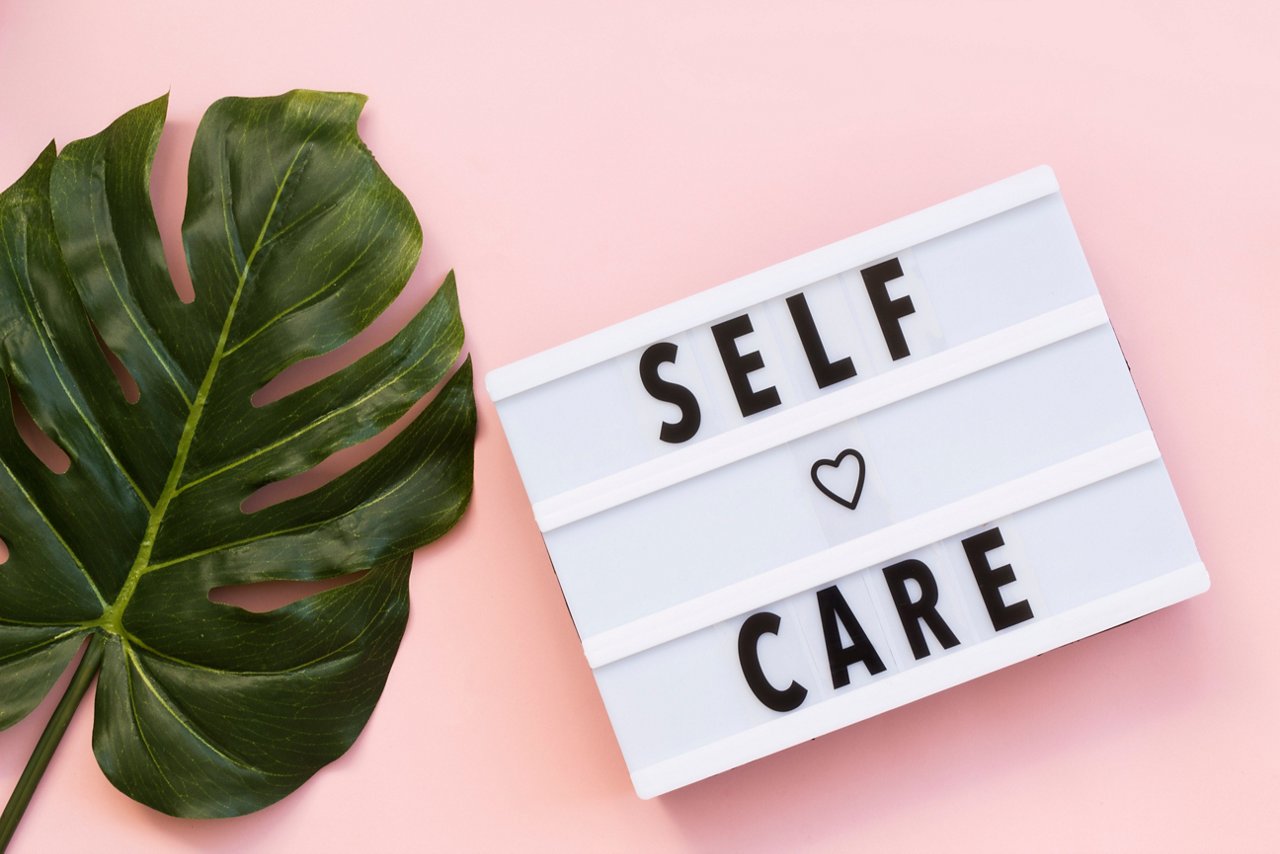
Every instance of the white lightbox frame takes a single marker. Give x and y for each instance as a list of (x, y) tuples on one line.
[(679, 464)]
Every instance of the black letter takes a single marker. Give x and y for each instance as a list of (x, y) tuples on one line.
[(765, 623), (738, 365), (825, 371), (832, 606), (669, 392), (888, 311), (991, 580), (912, 613)]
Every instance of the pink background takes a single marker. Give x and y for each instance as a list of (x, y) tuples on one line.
[(580, 162)]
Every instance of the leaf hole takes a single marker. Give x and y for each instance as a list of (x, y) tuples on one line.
[(333, 466), (259, 597), (4, 552), (304, 373), (383, 328), (128, 385), (36, 440), (168, 170)]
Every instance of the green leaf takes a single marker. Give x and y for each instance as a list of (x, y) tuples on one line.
[(295, 241)]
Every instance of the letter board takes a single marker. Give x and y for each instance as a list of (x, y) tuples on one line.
[(845, 482)]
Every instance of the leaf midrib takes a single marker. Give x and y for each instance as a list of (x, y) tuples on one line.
[(113, 617)]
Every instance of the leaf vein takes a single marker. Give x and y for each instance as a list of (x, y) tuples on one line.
[(50, 641), (186, 724), (328, 416), (45, 336), (128, 310)]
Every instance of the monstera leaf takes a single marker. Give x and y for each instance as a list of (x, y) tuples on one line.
[(295, 240)]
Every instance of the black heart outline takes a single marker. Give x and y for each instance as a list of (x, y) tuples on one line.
[(822, 487)]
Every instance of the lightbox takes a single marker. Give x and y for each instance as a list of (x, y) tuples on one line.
[(845, 482)]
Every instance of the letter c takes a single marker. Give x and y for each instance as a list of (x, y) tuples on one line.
[(757, 625)]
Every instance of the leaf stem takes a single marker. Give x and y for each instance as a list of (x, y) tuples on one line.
[(49, 739)]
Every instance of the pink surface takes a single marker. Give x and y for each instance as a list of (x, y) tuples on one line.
[(580, 162)]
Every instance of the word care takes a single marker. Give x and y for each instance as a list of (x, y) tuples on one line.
[(845, 482), (847, 642)]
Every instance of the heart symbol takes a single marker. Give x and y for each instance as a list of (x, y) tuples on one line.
[(821, 467)]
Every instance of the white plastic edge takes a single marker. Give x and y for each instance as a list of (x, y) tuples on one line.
[(762, 285), (921, 681), (578, 503), (876, 547)]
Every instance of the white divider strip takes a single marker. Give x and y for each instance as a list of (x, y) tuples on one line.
[(820, 413), (876, 547), (754, 288), (899, 689)]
